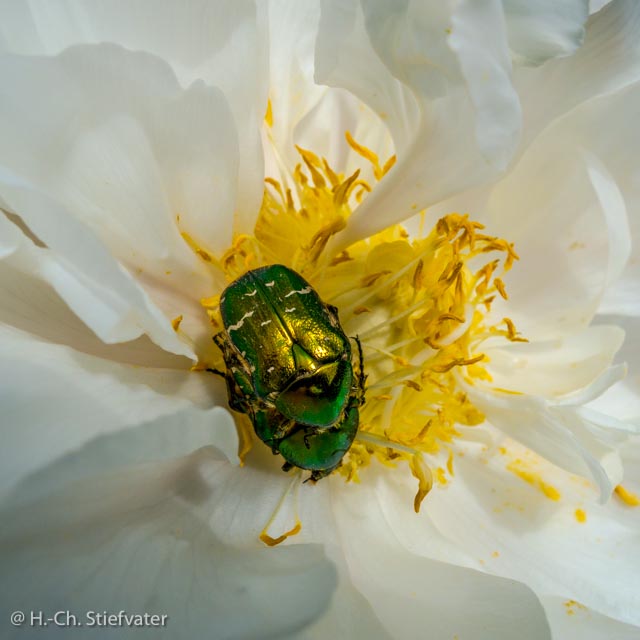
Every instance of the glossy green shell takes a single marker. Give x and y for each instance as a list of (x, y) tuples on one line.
[(289, 367)]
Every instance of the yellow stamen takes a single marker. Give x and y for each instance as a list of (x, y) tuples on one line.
[(425, 480), (272, 542), (264, 535), (175, 323), (362, 309), (388, 165), (197, 249), (245, 438), (500, 287)]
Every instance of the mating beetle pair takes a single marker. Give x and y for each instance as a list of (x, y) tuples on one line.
[(289, 368)]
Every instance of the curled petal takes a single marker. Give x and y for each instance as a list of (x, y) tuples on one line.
[(80, 397), (411, 592), (545, 29)]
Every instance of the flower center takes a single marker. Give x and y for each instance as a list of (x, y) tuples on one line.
[(417, 305)]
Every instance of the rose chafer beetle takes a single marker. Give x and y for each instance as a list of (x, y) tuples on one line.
[(289, 368)]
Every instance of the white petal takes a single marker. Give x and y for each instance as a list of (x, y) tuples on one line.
[(345, 58), (350, 615), (292, 92), (615, 145), (601, 126), (188, 36), (136, 171), (608, 378), (569, 232), (133, 151), (29, 277), (31, 304), (199, 39), (559, 434), (622, 400), (596, 5), (569, 619), (285, 498), (165, 437), (608, 61), (55, 399), (307, 114), (622, 297), (478, 42), (551, 381), (78, 266), (545, 29), (452, 100), (540, 541), (556, 367), (136, 538), (416, 597)]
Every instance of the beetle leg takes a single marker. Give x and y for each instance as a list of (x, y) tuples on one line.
[(283, 429), (221, 342), (318, 474), (362, 378), (333, 312), (217, 372)]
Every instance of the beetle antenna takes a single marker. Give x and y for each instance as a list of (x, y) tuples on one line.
[(216, 372), (295, 486)]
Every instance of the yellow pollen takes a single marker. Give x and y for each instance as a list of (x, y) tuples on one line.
[(450, 463), (572, 605), (268, 116), (581, 515), (416, 303), (628, 497), (441, 476), (518, 468), (175, 323)]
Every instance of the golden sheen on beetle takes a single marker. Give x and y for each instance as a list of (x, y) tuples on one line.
[(290, 368)]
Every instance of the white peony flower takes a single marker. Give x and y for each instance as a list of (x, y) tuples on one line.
[(139, 176)]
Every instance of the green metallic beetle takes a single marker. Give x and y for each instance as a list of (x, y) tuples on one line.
[(289, 368)]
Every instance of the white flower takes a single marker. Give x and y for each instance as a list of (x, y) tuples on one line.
[(133, 153)]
